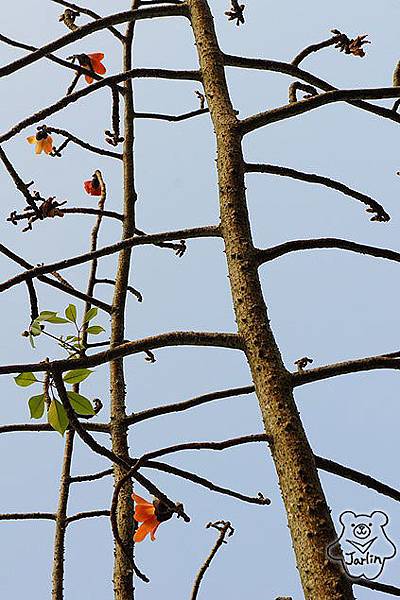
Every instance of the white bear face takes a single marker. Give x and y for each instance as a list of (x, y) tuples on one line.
[(364, 544)]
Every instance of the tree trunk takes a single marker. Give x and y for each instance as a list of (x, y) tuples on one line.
[(308, 515)]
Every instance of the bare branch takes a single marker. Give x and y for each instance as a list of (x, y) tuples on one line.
[(373, 206), (90, 13), (184, 474), (130, 289), (87, 515), (93, 477), (366, 480), (288, 69), (72, 138), (172, 118), (269, 254), (379, 587), (302, 106), (27, 516), (14, 217), (383, 361), (192, 403), (155, 238), (225, 530), (26, 427)]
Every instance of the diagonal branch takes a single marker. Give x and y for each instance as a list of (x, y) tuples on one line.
[(192, 403), (289, 69), (307, 104), (97, 25), (92, 14), (373, 205), (155, 238), (59, 285), (94, 87), (72, 138)]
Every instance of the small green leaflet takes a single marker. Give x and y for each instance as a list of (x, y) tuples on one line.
[(70, 313), (36, 406), (95, 329), (80, 404), (57, 417), (25, 379), (91, 314), (77, 375)]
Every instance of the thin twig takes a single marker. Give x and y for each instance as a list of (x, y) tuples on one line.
[(225, 530), (90, 13)]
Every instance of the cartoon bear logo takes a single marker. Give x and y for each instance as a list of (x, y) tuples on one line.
[(364, 543)]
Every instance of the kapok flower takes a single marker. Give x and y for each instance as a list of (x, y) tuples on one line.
[(93, 63), (150, 514), (43, 141), (92, 186)]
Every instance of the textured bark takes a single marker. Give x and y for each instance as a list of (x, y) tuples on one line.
[(123, 576), (61, 522), (308, 515)]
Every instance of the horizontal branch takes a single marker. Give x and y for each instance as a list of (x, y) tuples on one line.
[(269, 254), (93, 477), (72, 211), (27, 516), (366, 480), (94, 87), (87, 515), (72, 138), (231, 443), (187, 404), (293, 71), (383, 361), (159, 466), (173, 118), (163, 340), (154, 238), (56, 283), (307, 104), (26, 427), (89, 28), (374, 206)]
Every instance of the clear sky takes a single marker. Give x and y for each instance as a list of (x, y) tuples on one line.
[(329, 305)]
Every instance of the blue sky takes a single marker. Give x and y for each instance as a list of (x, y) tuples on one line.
[(329, 305)]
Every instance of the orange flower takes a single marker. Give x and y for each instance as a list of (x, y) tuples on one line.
[(145, 512), (43, 141), (92, 186), (93, 63)]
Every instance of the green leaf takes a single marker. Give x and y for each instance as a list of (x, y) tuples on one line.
[(80, 404), (70, 313), (45, 315), (91, 314), (57, 417), (95, 329), (36, 406), (25, 379), (31, 340), (77, 375), (35, 328), (57, 320)]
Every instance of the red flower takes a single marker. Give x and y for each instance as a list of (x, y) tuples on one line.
[(92, 186), (92, 62), (145, 512)]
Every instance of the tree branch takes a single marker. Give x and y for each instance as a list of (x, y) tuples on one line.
[(27, 516), (225, 530), (155, 238), (383, 361), (90, 13), (72, 138), (269, 254), (307, 104), (373, 205), (288, 69), (87, 515), (181, 406), (172, 118)]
